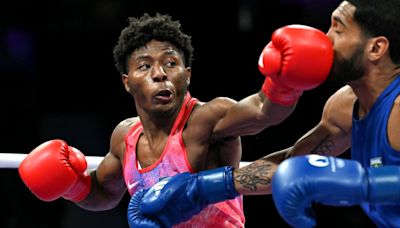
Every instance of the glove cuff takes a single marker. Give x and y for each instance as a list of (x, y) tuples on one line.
[(384, 185), (217, 185), (81, 189), (279, 93)]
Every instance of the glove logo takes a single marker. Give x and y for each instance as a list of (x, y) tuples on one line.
[(132, 185), (318, 161), (160, 185)]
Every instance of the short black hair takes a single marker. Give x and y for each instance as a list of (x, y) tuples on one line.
[(142, 30), (380, 18)]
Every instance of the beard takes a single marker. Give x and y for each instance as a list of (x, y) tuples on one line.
[(348, 70)]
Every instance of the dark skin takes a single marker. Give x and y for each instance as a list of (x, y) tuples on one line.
[(158, 79), (332, 135)]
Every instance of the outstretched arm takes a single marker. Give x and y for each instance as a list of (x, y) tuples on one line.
[(255, 178), (298, 58)]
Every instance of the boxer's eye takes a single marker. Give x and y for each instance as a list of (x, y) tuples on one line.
[(144, 67), (171, 64), (338, 32)]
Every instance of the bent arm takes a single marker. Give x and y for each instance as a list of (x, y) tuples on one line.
[(255, 178), (332, 136), (108, 187)]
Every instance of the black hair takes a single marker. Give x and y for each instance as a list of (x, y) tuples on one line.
[(380, 18), (142, 30)]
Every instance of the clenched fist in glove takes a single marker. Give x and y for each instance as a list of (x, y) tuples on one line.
[(176, 199), (53, 170), (298, 58)]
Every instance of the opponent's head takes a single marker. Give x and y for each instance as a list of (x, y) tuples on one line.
[(380, 18), (361, 31), (154, 57)]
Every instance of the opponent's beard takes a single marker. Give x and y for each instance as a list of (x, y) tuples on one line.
[(347, 70)]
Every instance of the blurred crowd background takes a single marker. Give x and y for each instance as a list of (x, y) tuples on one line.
[(58, 80)]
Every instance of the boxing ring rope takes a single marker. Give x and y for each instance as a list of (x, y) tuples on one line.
[(10, 160)]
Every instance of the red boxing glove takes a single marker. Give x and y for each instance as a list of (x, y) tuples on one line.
[(298, 58), (53, 170)]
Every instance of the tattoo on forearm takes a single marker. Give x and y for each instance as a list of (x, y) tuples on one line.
[(255, 174), (326, 147)]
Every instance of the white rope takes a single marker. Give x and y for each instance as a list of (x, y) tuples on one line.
[(12, 161), (243, 163)]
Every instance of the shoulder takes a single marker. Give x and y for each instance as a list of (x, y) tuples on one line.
[(205, 116), (118, 135), (394, 125), (343, 96), (341, 100), (338, 110), (123, 127), (217, 106), (126, 124)]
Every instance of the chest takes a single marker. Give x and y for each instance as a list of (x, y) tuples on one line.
[(171, 147), (199, 155)]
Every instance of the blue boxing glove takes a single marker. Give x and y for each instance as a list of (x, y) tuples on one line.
[(136, 218), (176, 199), (301, 180)]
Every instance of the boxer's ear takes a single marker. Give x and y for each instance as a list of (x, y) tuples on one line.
[(377, 47), (188, 75), (125, 81)]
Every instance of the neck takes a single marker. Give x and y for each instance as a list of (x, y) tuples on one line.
[(157, 125), (370, 87)]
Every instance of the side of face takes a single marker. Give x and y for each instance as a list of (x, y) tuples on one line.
[(349, 44), (157, 77)]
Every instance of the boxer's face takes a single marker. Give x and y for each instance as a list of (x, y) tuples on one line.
[(157, 77), (348, 44)]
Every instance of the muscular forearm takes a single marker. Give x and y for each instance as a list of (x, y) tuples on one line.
[(98, 199), (255, 178), (275, 113), (252, 115)]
